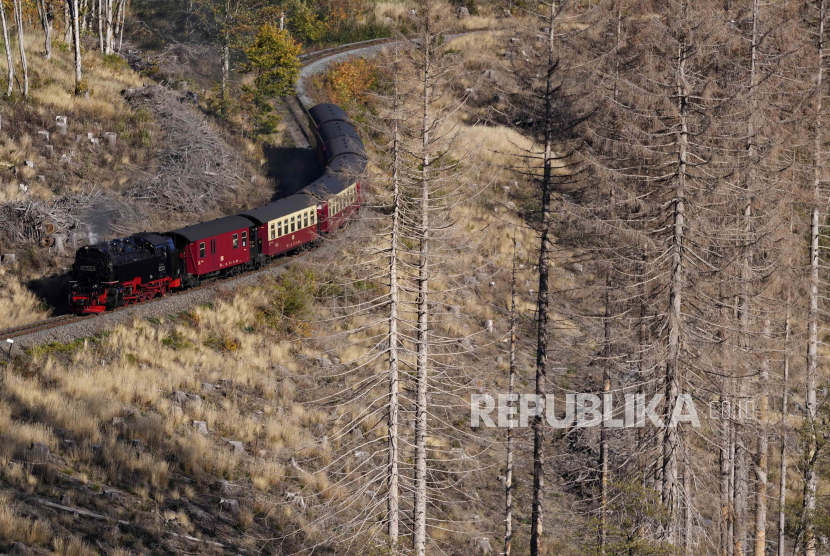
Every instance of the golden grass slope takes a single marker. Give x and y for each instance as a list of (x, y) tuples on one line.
[(52, 81), (18, 305)]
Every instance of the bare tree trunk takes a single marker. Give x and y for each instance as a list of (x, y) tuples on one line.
[(810, 478), (393, 479), (670, 438), (76, 37), (46, 13), (761, 465), (688, 506), (100, 25), (731, 463), (782, 480), (421, 371), (8, 44), (123, 5), (537, 513), (725, 495), (84, 14), (109, 37), (741, 488), (508, 478), (641, 368), (606, 413), (226, 67), (67, 20), (18, 15)]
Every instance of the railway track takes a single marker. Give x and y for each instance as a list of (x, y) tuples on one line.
[(39, 326)]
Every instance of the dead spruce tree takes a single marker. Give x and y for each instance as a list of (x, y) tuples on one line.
[(750, 243), (659, 136), (819, 200), (540, 104), (438, 163)]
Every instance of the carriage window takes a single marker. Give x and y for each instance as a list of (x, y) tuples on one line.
[(202, 250), (293, 224), (305, 220), (244, 239), (313, 217), (279, 229), (235, 241), (273, 231)]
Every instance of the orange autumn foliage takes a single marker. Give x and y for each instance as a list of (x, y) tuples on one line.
[(349, 81)]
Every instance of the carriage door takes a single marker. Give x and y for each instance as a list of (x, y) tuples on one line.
[(213, 263)]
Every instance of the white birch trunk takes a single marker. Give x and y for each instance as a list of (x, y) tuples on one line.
[(8, 44), (46, 14), (76, 37), (99, 13), (18, 15), (226, 67), (109, 37), (122, 18), (67, 20)]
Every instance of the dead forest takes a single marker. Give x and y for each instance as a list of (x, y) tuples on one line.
[(679, 158)]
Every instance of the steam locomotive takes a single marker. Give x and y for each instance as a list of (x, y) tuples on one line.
[(146, 265)]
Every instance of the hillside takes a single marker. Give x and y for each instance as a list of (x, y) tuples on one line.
[(63, 187), (138, 425), (621, 207)]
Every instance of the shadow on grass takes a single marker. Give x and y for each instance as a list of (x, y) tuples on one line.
[(53, 290)]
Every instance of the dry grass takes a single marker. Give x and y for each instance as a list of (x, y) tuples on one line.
[(16, 528), (18, 305), (397, 11), (57, 79), (72, 546), (478, 22), (266, 475)]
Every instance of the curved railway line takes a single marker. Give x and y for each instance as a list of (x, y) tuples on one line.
[(296, 108)]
